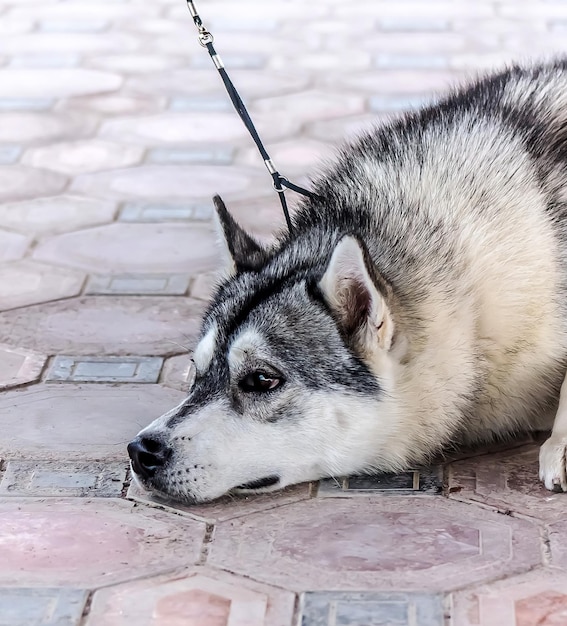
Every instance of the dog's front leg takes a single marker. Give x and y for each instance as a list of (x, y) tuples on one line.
[(552, 455)]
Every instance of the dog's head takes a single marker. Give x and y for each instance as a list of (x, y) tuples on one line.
[(293, 374)]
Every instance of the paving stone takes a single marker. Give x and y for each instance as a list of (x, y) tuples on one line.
[(204, 285), (138, 285), (72, 26), (101, 325), (424, 481), (227, 508), (232, 60), (412, 25), (55, 83), (178, 372), (77, 157), (355, 545), (311, 105), (342, 128), (410, 61), (296, 155), (165, 183), (25, 104), (9, 154), (18, 367), (76, 43), (557, 545), (13, 246), (194, 127), (26, 282), (131, 248), (19, 124), (136, 63), (56, 214), (18, 182), (90, 543), (45, 60), (162, 212), (109, 369), (507, 481), (113, 104), (45, 479), (74, 422), (89, 10), (41, 607), (217, 104), (395, 84), (322, 61), (217, 156), (334, 608), (539, 597), (202, 597), (10, 26)]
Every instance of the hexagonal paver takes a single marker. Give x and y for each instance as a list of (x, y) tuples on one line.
[(90, 542), (330, 608), (202, 597), (294, 156), (56, 479), (78, 157), (27, 282), (18, 366), (381, 543), (113, 104), (18, 182), (105, 369), (105, 325), (166, 212), (178, 372), (57, 214), (538, 598), (57, 83), (41, 607), (170, 182), (229, 507), (508, 481), (342, 128), (117, 248), (74, 421), (12, 245), (138, 285)]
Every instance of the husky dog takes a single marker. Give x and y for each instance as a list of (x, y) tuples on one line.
[(419, 302)]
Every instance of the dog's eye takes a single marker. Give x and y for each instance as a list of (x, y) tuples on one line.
[(259, 382)]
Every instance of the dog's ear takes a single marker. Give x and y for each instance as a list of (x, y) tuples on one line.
[(350, 288), (244, 253)]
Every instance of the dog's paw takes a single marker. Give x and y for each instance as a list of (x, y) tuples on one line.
[(552, 463)]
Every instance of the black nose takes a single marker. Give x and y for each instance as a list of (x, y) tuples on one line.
[(148, 455)]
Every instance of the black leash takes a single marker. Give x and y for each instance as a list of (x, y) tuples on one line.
[(279, 181)]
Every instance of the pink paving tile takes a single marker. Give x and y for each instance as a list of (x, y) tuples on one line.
[(342, 128), (18, 182), (78, 421), (113, 104), (56, 214), (535, 599), (78, 157), (168, 182), (203, 286), (135, 248), (18, 367), (508, 481), (296, 155), (103, 325), (12, 245), (178, 372), (557, 545), (55, 83), (90, 542), (376, 544), (27, 127), (229, 507), (61, 43), (197, 597), (26, 282)]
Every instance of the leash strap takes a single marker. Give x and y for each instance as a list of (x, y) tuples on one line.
[(280, 182)]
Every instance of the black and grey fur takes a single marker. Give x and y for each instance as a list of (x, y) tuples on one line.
[(418, 303)]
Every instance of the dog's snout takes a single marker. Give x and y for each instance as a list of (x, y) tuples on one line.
[(148, 455)]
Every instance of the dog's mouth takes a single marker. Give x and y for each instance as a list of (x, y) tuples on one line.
[(261, 483)]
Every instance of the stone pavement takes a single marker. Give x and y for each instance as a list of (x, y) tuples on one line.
[(114, 134)]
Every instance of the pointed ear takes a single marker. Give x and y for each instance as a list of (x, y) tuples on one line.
[(350, 289), (244, 253)]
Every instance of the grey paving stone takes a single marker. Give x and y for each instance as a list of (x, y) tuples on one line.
[(41, 607), (157, 212), (109, 369), (138, 285), (200, 103), (410, 61), (216, 155), (25, 104), (328, 608), (428, 481), (49, 479), (9, 154)]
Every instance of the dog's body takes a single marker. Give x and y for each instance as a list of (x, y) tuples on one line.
[(421, 301)]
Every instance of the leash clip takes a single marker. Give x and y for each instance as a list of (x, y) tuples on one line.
[(205, 37)]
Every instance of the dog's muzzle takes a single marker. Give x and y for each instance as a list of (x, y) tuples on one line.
[(148, 456)]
